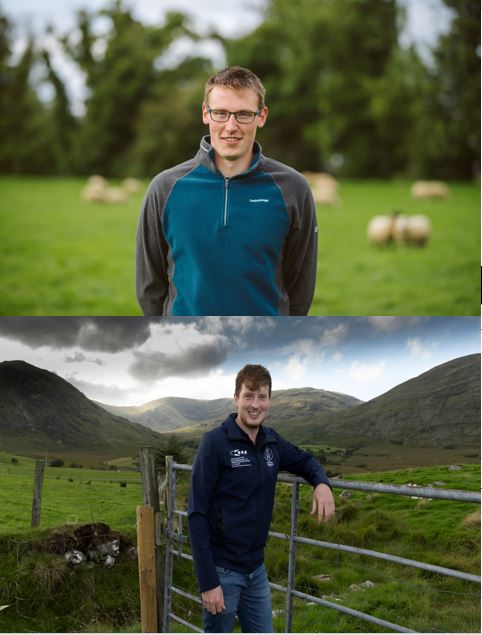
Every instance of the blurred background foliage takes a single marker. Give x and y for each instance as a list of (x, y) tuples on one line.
[(344, 95)]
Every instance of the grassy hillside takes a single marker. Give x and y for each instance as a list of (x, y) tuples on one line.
[(440, 407), (68, 257), (40, 411), (173, 413), (43, 594)]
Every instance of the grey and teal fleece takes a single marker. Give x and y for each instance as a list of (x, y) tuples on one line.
[(210, 245)]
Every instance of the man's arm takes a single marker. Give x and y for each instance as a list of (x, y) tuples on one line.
[(152, 283), (301, 252), (304, 464), (205, 474)]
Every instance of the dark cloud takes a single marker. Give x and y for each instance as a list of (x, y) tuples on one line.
[(109, 334), (196, 360), (80, 357)]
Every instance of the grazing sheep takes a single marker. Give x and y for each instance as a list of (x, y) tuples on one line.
[(115, 195), (97, 180), (404, 229), (324, 187), (380, 229), (412, 230), (98, 190), (94, 190), (131, 186), (430, 189)]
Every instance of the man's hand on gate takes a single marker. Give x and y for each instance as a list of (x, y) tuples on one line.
[(323, 504), (213, 600)]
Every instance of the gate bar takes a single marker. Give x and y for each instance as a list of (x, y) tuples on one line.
[(383, 556), (171, 501), (295, 498), (344, 609)]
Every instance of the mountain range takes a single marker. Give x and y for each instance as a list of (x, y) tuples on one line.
[(439, 408), (174, 413)]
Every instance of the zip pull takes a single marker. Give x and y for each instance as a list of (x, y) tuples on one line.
[(225, 215)]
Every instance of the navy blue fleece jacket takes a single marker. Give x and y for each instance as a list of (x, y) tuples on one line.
[(232, 495)]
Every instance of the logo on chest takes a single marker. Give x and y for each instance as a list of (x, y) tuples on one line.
[(240, 458), (268, 457)]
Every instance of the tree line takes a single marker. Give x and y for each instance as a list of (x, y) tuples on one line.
[(344, 95)]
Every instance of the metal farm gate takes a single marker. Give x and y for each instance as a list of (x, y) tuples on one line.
[(173, 539)]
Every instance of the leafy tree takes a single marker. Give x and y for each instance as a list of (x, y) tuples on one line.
[(324, 59), (172, 448), (120, 79), (25, 144), (169, 125), (57, 463), (61, 122), (449, 122)]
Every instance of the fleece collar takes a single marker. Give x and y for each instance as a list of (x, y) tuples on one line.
[(206, 156)]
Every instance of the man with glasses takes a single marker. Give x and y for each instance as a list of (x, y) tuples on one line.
[(229, 232)]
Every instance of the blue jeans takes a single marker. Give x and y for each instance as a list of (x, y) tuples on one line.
[(247, 595)]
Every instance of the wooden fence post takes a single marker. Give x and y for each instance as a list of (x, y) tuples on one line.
[(150, 490), (37, 492), (147, 568)]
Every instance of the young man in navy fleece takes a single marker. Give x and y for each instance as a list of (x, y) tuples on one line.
[(231, 503), (229, 232)]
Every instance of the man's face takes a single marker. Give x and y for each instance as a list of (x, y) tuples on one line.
[(232, 140), (253, 406)]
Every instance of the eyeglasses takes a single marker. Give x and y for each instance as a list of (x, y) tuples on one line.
[(242, 116)]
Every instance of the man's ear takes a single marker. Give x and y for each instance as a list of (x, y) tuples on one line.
[(205, 114), (263, 115)]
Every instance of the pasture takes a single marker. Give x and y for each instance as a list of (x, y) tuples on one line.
[(64, 256), (70, 495), (44, 594)]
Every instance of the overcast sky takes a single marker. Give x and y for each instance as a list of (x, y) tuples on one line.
[(426, 19), (130, 361)]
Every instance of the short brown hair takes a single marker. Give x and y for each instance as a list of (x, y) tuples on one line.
[(236, 77), (253, 376)]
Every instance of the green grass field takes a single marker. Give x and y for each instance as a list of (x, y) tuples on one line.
[(44, 594), (70, 495), (62, 256), (357, 278)]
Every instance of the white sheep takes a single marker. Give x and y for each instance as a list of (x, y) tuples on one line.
[(98, 190), (115, 195), (412, 230), (380, 229), (430, 189), (131, 185), (94, 190), (404, 229), (324, 187)]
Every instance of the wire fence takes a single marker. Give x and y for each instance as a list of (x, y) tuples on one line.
[(69, 496), (291, 559)]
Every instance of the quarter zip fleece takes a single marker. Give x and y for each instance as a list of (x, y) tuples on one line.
[(209, 245), (235, 480)]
